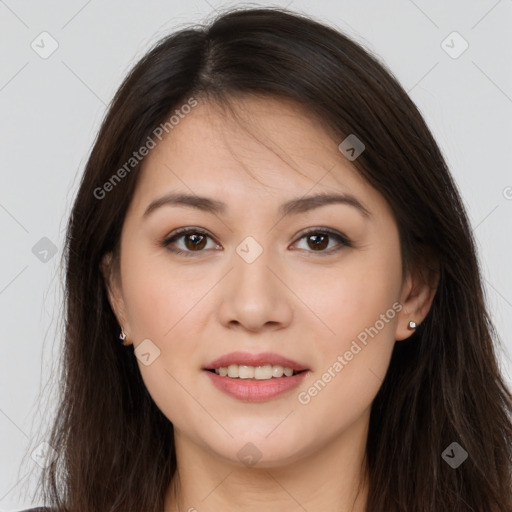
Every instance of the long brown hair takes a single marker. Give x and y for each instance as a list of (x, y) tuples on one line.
[(115, 448)]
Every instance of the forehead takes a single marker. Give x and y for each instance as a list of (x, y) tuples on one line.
[(263, 147)]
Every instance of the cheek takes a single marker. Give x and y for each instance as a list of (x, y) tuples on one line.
[(358, 312), (159, 296), (163, 306), (347, 299)]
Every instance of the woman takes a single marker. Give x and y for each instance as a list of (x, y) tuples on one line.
[(267, 224)]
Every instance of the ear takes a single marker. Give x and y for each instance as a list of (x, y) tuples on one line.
[(114, 291), (417, 294)]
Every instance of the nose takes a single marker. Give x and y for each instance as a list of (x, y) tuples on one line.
[(255, 295)]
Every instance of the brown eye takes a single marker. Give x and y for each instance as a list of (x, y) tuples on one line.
[(193, 240), (318, 240)]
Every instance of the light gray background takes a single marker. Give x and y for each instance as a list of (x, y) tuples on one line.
[(51, 109)]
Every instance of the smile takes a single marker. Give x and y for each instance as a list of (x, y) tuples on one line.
[(263, 372)]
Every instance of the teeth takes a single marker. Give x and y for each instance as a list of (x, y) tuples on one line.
[(264, 372)]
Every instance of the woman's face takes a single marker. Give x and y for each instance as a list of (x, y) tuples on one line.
[(255, 276)]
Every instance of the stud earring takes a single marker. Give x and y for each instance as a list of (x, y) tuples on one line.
[(122, 338), (412, 325)]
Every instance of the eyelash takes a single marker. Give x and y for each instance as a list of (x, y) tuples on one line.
[(343, 241)]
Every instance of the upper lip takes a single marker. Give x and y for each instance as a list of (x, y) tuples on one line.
[(248, 359)]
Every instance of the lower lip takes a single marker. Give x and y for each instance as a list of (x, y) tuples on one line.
[(252, 390)]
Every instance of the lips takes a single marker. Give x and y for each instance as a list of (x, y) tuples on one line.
[(261, 359), (250, 390)]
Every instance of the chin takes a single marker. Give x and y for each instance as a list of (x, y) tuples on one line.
[(253, 448)]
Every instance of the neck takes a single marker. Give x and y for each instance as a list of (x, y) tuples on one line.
[(330, 478)]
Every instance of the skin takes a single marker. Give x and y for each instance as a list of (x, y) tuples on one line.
[(294, 299)]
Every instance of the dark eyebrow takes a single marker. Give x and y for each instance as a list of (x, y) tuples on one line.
[(176, 199), (294, 206), (304, 204)]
